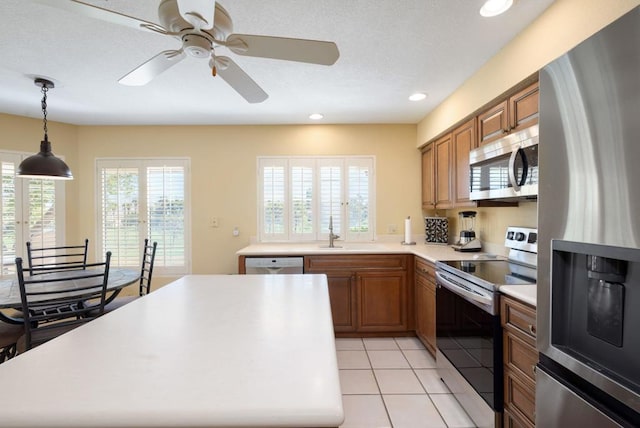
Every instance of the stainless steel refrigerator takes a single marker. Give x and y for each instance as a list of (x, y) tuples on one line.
[(589, 233)]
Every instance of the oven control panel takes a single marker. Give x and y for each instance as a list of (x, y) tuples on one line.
[(522, 238)]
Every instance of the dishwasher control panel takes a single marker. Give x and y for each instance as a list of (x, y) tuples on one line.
[(273, 265)]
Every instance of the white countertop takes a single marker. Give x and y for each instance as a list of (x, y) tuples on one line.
[(525, 293), (205, 350), (431, 252)]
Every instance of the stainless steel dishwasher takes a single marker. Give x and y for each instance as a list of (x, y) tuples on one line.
[(273, 265)]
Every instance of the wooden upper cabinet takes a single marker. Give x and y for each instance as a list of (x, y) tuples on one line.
[(518, 111), (463, 140), (428, 173), (523, 108), (442, 159), (493, 123)]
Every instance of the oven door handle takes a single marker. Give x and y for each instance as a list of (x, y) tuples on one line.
[(447, 283)]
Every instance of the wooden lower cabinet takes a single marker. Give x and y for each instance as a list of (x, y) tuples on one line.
[(342, 295), (382, 299), (520, 358), (368, 293), (425, 304)]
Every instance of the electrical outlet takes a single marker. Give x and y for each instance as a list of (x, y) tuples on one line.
[(392, 228), (214, 222)]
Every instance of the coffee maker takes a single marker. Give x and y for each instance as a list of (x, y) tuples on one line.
[(468, 240)]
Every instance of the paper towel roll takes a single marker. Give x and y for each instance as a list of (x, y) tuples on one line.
[(407, 230)]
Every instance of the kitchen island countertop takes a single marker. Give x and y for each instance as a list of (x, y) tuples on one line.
[(205, 350)]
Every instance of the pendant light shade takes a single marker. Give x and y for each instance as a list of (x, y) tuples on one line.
[(44, 165)]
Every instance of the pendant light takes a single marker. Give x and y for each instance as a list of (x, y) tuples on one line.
[(44, 165)]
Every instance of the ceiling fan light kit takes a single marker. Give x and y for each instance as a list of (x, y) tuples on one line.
[(202, 26), (44, 164)]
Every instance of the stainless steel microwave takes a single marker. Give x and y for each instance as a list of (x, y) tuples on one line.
[(506, 168)]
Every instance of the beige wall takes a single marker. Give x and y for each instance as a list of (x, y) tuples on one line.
[(562, 26), (223, 162)]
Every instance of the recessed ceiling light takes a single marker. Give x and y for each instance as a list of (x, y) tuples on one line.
[(418, 96), (316, 116), (495, 7)]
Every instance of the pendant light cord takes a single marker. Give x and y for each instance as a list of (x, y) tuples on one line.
[(44, 110)]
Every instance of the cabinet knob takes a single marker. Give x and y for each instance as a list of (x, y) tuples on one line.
[(532, 329), (534, 369)]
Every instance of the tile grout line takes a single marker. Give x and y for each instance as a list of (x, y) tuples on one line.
[(378, 384), (425, 388)]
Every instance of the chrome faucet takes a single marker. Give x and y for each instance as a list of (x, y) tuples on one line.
[(332, 237)]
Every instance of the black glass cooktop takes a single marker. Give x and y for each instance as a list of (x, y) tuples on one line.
[(497, 272)]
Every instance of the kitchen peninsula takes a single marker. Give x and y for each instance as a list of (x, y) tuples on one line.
[(205, 350)]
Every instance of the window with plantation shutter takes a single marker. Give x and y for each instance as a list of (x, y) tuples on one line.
[(145, 198), (32, 210), (299, 195)]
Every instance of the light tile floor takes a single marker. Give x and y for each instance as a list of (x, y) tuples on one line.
[(392, 382)]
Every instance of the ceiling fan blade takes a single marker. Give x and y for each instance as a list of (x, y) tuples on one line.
[(102, 14), (239, 80), (301, 50), (153, 67), (199, 13)]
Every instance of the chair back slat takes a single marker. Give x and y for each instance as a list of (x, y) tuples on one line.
[(57, 259), (146, 271), (55, 300)]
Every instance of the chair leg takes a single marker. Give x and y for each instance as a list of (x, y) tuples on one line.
[(8, 352)]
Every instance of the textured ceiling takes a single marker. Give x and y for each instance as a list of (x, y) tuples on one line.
[(388, 50)]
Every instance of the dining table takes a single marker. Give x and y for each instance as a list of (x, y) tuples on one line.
[(10, 288), (202, 351)]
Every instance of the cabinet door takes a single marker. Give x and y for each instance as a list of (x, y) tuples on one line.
[(493, 123), (464, 140), (428, 173), (426, 312), (342, 295), (442, 158), (382, 301), (523, 108)]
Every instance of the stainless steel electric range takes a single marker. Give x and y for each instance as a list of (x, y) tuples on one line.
[(468, 332)]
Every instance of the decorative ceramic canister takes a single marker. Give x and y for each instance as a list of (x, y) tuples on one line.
[(436, 230)]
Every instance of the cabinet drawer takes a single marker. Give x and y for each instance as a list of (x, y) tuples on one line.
[(426, 268), (519, 396), (520, 355), (356, 262), (519, 316)]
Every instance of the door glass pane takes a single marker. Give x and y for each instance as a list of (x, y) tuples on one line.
[(165, 214), (42, 213), (9, 236), (120, 215)]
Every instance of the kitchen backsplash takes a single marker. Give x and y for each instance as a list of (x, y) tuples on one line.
[(491, 223)]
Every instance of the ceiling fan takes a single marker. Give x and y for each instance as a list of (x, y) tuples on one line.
[(201, 26)]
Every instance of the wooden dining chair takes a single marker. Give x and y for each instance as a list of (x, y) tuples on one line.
[(9, 335), (146, 273), (56, 259), (53, 304)]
